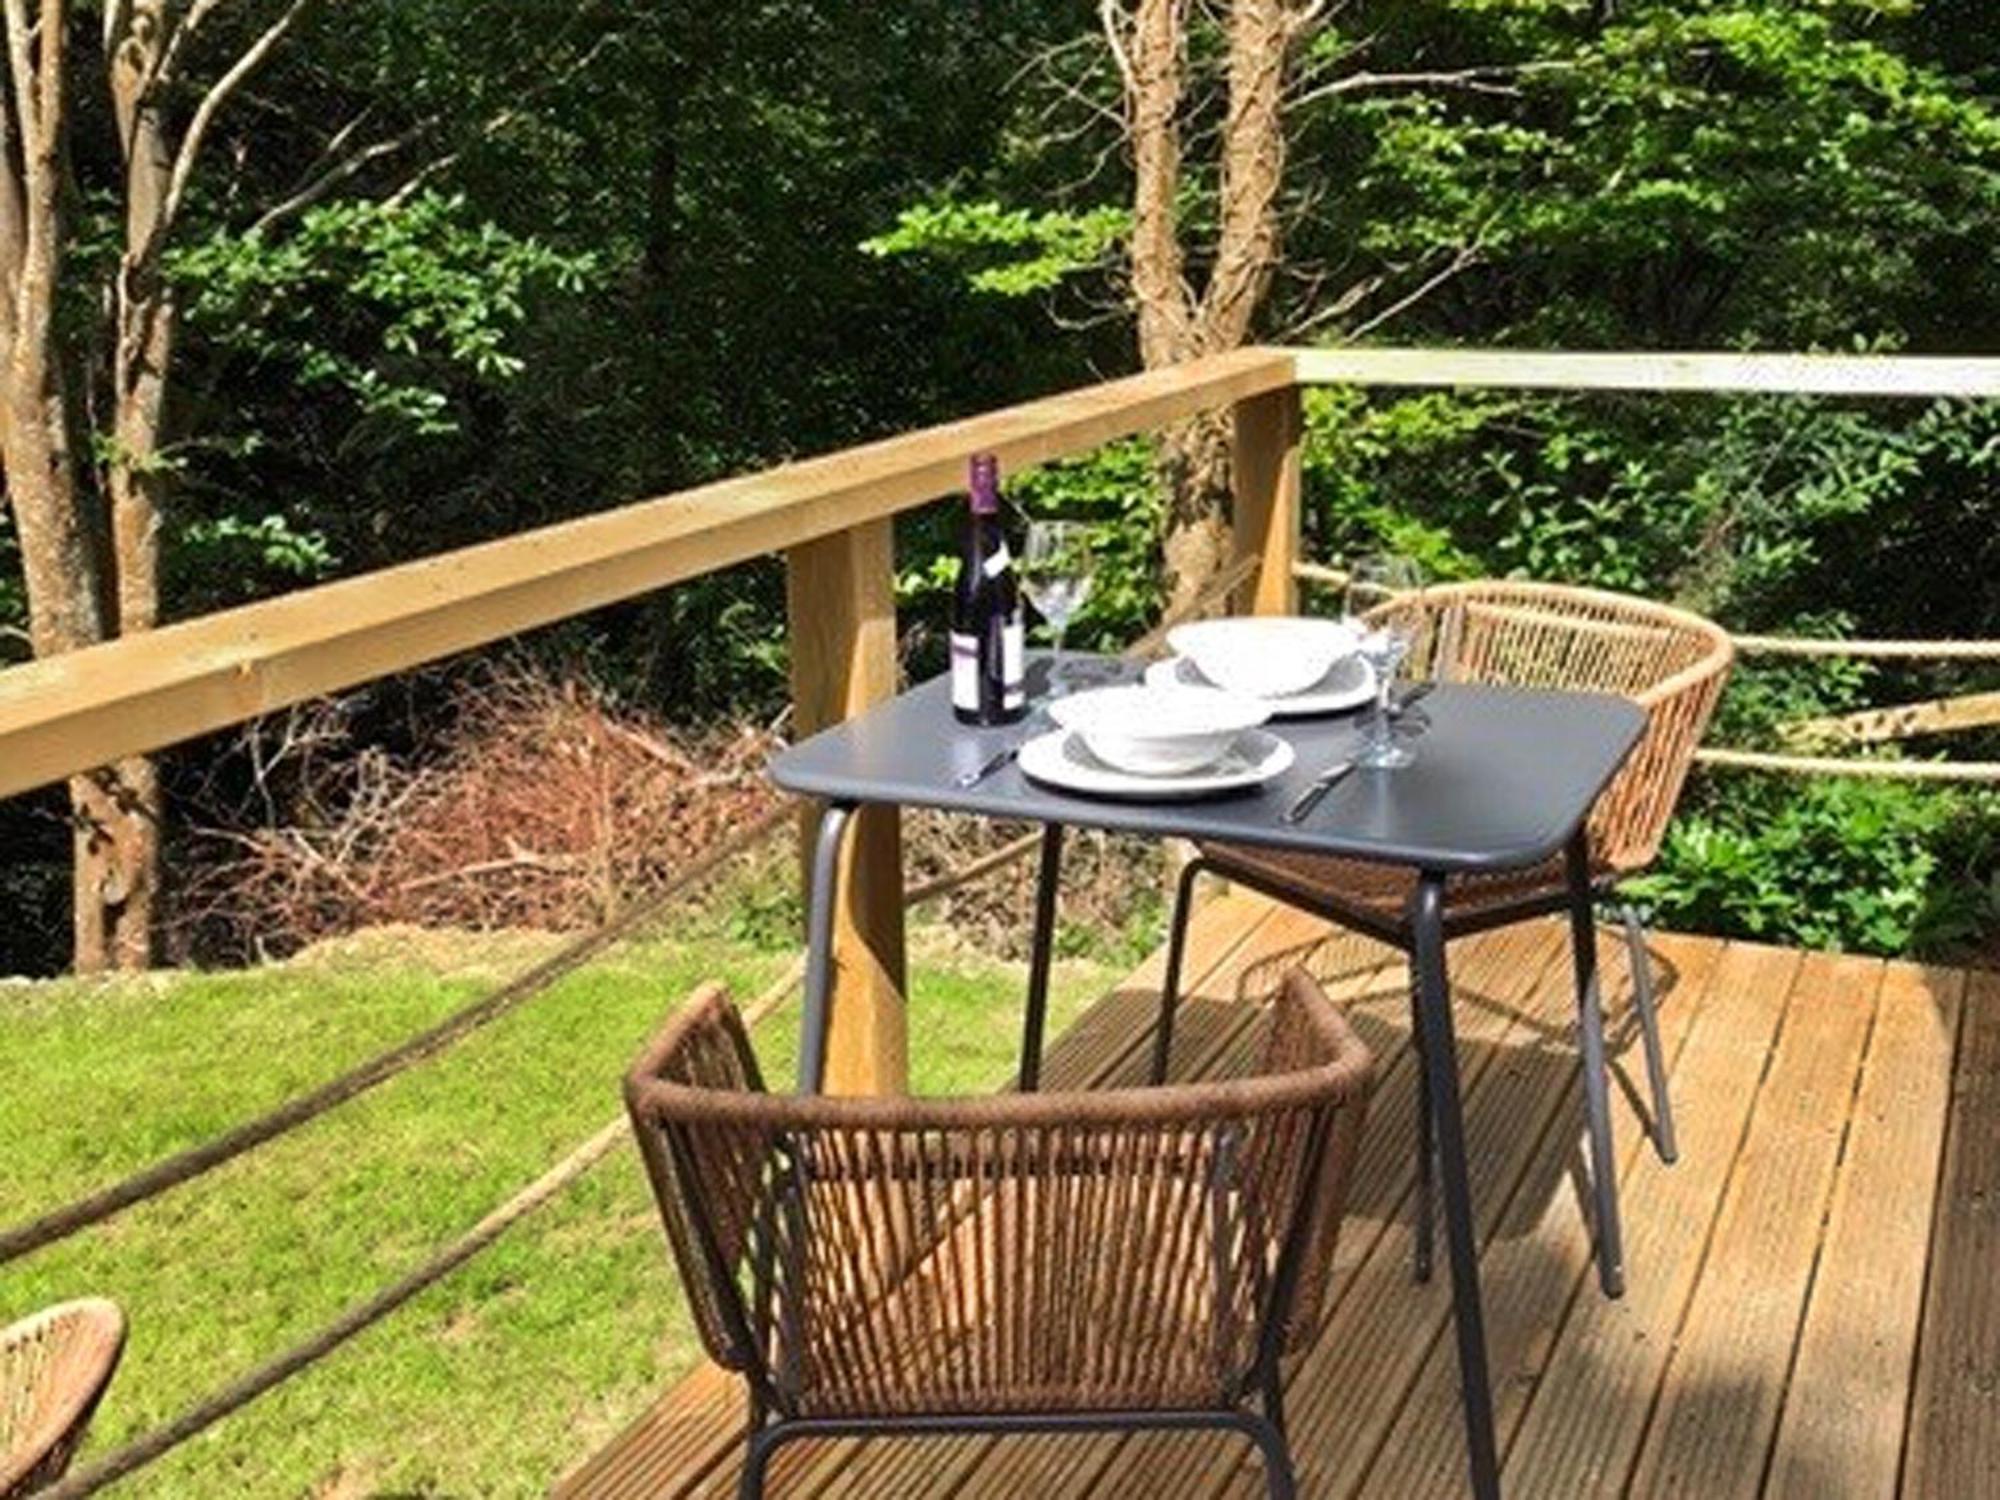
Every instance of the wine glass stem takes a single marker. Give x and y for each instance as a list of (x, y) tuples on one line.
[(1059, 628)]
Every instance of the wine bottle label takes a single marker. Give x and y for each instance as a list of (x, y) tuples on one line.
[(965, 672), (999, 562), (1013, 666)]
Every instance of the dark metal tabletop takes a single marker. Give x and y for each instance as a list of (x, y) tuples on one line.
[(1502, 778)]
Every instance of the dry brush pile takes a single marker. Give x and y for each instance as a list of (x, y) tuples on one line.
[(544, 805)]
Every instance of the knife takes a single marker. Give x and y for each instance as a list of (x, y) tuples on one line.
[(967, 779), (1323, 783)]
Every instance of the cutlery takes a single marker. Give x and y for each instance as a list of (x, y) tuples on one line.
[(968, 779), (1323, 783)]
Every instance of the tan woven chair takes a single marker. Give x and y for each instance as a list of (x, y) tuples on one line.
[(1672, 663), (54, 1367), (1044, 1262)]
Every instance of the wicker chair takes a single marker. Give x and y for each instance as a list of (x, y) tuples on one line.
[(54, 1367), (1672, 663), (1115, 1259)]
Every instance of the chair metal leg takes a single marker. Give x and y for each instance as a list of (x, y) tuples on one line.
[(757, 1461), (1047, 879), (1279, 1479), (1596, 1076), (1649, 1035), (1426, 1208), (1274, 1402), (1170, 986)]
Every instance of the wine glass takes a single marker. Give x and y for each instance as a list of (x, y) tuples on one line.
[(1386, 641), (1056, 574)]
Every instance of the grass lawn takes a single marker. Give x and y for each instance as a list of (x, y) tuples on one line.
[(517, 1365)]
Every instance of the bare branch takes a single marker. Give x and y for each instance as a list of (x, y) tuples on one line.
[(1111, 16), (1332, 312), (1462, 260), (1480, 80), (356, 159), (191, 24), (344, 168), (218, 95)]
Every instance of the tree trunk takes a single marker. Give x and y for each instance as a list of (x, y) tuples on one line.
[(1194, 475), (121, 808), (1150, 44)]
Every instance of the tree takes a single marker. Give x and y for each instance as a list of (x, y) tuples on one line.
[(86, 404)]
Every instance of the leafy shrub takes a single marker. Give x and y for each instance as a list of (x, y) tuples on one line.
[(1862, 866)]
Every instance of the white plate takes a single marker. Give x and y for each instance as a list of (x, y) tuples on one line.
[(1350, 684), (1060, 759), (1153, 732)]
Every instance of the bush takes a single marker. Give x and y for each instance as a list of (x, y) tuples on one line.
[(1862, 866)]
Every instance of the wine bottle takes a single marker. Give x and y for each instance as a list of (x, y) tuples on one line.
[(987, 668)]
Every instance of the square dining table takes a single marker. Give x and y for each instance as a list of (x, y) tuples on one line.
[(1504, 778)]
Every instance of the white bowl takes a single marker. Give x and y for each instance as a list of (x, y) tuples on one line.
[(1264, 656), (1157, 731)]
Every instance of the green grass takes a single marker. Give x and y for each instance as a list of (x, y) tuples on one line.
[(514, 1367)]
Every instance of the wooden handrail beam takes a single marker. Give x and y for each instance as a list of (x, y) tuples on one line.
[(1769, 374), (71, 713)]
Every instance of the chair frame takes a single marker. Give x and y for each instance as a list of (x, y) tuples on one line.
[(661, 1112), (1625, 830)]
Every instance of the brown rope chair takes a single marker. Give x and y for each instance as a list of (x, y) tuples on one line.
[(54, 1367), (1049, 1262), (1673, 664)]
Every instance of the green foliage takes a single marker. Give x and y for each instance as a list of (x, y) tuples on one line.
[(1036, 252), (414, 289), (1857, 865)]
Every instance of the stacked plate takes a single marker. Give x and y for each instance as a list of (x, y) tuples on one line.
[(1195, 728), (1295, 667), (1156, 743)]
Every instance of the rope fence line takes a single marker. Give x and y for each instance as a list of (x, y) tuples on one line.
[(570, 1169), (172, 1171), (1913, 650), (186, 1165), (1970, 772)]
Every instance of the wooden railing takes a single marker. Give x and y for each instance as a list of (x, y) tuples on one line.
[(831, 518)]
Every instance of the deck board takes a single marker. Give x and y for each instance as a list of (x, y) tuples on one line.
[(1848, 1400), (1840, 1130), (1724, 1384), (1954, 1440)]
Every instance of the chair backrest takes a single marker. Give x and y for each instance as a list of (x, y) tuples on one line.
[(1670, 662), (54, 1368), (1089, 1250)]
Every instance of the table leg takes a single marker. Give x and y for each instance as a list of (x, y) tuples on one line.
[(1047, 878), (1461, 1244), (819, 944), (1596, 1090)]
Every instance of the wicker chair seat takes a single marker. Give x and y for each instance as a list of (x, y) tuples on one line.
[(54, 1368), (1375, 896)]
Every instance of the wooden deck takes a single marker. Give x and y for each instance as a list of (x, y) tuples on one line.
[(1812, 1308)]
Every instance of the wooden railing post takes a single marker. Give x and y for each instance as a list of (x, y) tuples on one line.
[(840, 596), (1267, 479)]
